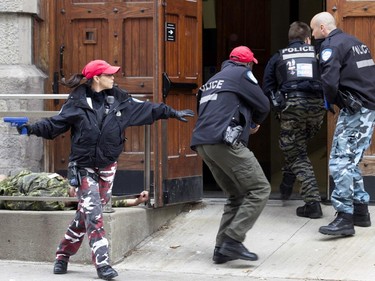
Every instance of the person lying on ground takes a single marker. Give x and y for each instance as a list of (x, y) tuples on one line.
[(27, 183)]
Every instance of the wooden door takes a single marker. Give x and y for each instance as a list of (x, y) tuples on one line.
[(182, 51), (356, 18), (131, 34), (120, 32)]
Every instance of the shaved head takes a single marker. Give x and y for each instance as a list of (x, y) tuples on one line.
[(322, 24)]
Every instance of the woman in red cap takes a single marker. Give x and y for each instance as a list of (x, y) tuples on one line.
[(96, 113)]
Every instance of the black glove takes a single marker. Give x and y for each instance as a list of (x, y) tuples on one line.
[(26, 127), (180, 114)]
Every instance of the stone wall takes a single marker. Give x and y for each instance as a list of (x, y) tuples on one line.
[(18, 76), (35, 235)]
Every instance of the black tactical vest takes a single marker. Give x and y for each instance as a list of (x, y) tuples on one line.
[(297, 64)]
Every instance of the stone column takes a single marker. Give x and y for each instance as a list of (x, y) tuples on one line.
[(18, 76)]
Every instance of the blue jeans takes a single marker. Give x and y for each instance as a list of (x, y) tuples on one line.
[(352, 137)]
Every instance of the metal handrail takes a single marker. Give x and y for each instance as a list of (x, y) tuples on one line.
[(34, 96), (55, 198), (108, 208), (48, 96)]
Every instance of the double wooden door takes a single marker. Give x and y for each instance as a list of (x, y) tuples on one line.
[(133, 34)]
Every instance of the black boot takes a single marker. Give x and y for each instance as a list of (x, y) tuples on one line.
[(361, 216), (286, 186), (220, 258), (342, 225), (106, 272), (60, 267), (311, 210), (236, 250)]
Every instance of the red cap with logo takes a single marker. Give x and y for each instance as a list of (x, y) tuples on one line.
[(242, 54), (98, 67)]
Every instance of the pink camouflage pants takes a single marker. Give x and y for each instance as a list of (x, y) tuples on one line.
[(92, 196)]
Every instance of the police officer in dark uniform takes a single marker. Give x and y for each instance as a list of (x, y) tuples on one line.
[(291, 81), (231, 107), (347, 73)]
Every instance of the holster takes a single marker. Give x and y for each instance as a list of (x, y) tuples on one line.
[(349, 101), (232, 135), (278, 101), (73, 175)]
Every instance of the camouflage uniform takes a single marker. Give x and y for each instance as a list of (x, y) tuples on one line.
[(299, 122), (293, 72), (92, 196), (27, 183), (352, 137)]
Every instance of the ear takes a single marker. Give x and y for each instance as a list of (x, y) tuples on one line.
[(250, 65)]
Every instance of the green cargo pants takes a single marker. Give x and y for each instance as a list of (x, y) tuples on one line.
[(239, 175)]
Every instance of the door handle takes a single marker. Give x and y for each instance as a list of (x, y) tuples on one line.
[(168, 85), (62, 48), (55, 86)]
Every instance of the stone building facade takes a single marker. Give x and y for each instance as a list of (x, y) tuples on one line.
[(18, 75)]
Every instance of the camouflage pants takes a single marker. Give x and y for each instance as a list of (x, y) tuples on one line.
[(88, 219), (299, 122), (352, 137)]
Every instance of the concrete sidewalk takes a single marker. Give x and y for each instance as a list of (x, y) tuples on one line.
[(289, 248)]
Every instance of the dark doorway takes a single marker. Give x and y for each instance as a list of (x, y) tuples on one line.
[(263, 26)]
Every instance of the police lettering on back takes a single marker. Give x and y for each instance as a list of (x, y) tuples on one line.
[(217, 84), (298, 49), (360, 50)]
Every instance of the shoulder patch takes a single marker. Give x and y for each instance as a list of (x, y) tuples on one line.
[(251, 76), (326, 54)]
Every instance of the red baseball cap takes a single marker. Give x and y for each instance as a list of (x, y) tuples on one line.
[(98, 67), (242, 54)]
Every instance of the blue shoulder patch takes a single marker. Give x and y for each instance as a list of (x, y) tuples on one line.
[(326, 54), (251, 77)]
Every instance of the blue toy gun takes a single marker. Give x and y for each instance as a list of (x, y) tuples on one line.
[(17, 121)]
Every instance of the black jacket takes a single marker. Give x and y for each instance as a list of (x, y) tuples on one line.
[(273, 82), (95, 143), (346, 64), (233, 91)]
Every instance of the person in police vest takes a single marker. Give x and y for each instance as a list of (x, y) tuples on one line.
[(96, 113), (291, 81), (348, 78), (231, 106)]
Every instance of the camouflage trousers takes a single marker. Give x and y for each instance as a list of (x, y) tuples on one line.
[(352, 137), (299, 122), (92, 196)]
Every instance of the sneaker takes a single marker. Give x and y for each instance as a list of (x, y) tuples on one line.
[(220, 258), (361, 215), (236, 250), (311, 210), (60, 267), (342, 225), (106, 272)]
